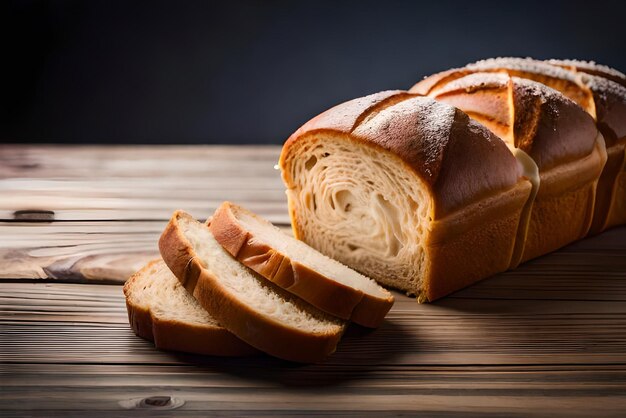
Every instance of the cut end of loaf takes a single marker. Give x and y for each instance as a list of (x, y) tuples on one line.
[(399, 196), (375, 221)]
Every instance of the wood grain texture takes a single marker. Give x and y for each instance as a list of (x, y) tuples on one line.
[(561, 391), (108, 252), (138, 183), (68, 323), (71, 344), (548, 338), (83, 251)]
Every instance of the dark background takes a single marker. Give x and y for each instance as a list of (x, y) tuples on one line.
[(253, 71)]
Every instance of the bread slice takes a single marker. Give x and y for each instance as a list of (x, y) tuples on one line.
[(251, 307), (293, 265), (161, 310), (405, 190)]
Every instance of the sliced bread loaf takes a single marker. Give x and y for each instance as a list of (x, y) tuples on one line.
[(161, 310), (248, 305), (406, 190), (293, 265)]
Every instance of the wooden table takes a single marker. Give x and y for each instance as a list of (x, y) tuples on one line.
[(547, 338)]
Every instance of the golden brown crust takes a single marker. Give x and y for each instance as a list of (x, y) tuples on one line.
[(556, 133), (598, 89), (546, 125), (610, 101), (592, 68), (244, 321), (610, 205), (479, 239), (179, 258), (617, 214), (180, 335), (563, 209), (484, 97), (460, 160), (609, 92), (560, 131), (320, 291), (553, 76), (430, 83)]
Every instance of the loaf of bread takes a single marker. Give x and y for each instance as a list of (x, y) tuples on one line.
[(298, 268), (162, 311), (251, 307), (563, 144), (469, 173), (597, 89), (406, 190)]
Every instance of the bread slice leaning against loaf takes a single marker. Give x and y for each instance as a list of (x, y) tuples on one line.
[(407, 191), (162, 311), (257, 311), (293, 265)]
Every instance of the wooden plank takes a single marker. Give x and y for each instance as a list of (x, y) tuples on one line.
[(591, 269), (596, 391), (140, 199), (77, 251), (84, 251), (74, 324), (45, 161), (146, 183), (233, 375), (67, 349)]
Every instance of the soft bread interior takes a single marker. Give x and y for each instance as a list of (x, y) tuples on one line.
[(157, 289), (362, 206), (253, 290), (300, 252)]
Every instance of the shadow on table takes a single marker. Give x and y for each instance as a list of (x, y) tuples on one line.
[(360, 350), (556, 303)]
